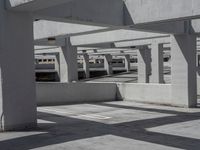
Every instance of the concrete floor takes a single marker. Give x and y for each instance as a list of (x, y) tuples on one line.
[(130, 77), (109, 126)]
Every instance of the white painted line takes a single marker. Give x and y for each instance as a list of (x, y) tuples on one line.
[(56, 111), (45, 121), (93, 116)]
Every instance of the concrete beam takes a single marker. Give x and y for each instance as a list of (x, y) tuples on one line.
[(112, 36), (107, 12), (60, 41), (50, 42), (45, 29), (174, 27), (119, 51), (114, 12), (87, 48), (112, 53), (139, 42), (46, 49), (112, 50)]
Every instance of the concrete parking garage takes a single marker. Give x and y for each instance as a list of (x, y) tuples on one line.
[(107, 116)]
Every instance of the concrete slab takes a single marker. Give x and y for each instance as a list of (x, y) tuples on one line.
[(109, 126), (130, 77), (184, 129)]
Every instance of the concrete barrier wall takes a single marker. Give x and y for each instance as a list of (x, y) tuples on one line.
[(149, 93), (118, 65), (65, 93), (45, 66)]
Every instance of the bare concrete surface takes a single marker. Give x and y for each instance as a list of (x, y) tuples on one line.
[(109, 126), (129, 77)]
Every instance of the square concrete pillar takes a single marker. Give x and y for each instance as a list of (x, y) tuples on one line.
[(144, 64), (17, 71), (86, 66), (127, 63), (157, 73), (198, 60), (108, 64), (184, 77), (68, 62), (198, 66)]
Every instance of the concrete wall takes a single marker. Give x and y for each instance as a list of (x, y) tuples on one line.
[(44, 66), (65, 93), (118, 65), (97, 65), (149, 93)]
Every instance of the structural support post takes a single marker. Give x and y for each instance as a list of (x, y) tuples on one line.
[(68, 62), (184, 77), (198, 66), (127, 63), (86, 66), (198, 60), (157, 74), (108, 64), (144, 67), (17, 71)]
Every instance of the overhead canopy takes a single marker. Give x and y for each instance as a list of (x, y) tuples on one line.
[(140, 11), (130, 11)]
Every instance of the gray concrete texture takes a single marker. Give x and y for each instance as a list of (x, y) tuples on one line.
[(126, 77), (18, 105), (66, 93), (68, 63), (109, 126)]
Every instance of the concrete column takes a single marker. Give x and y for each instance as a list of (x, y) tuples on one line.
[(157, 74), (198, 67), (144, 64), (17, 71), (144, 67), (127, 63), (68, 62), (184, 78), (198, 60), (86, 66), (108, 64)]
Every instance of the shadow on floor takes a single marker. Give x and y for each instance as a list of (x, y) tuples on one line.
[(118, 75), (65, 129)]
